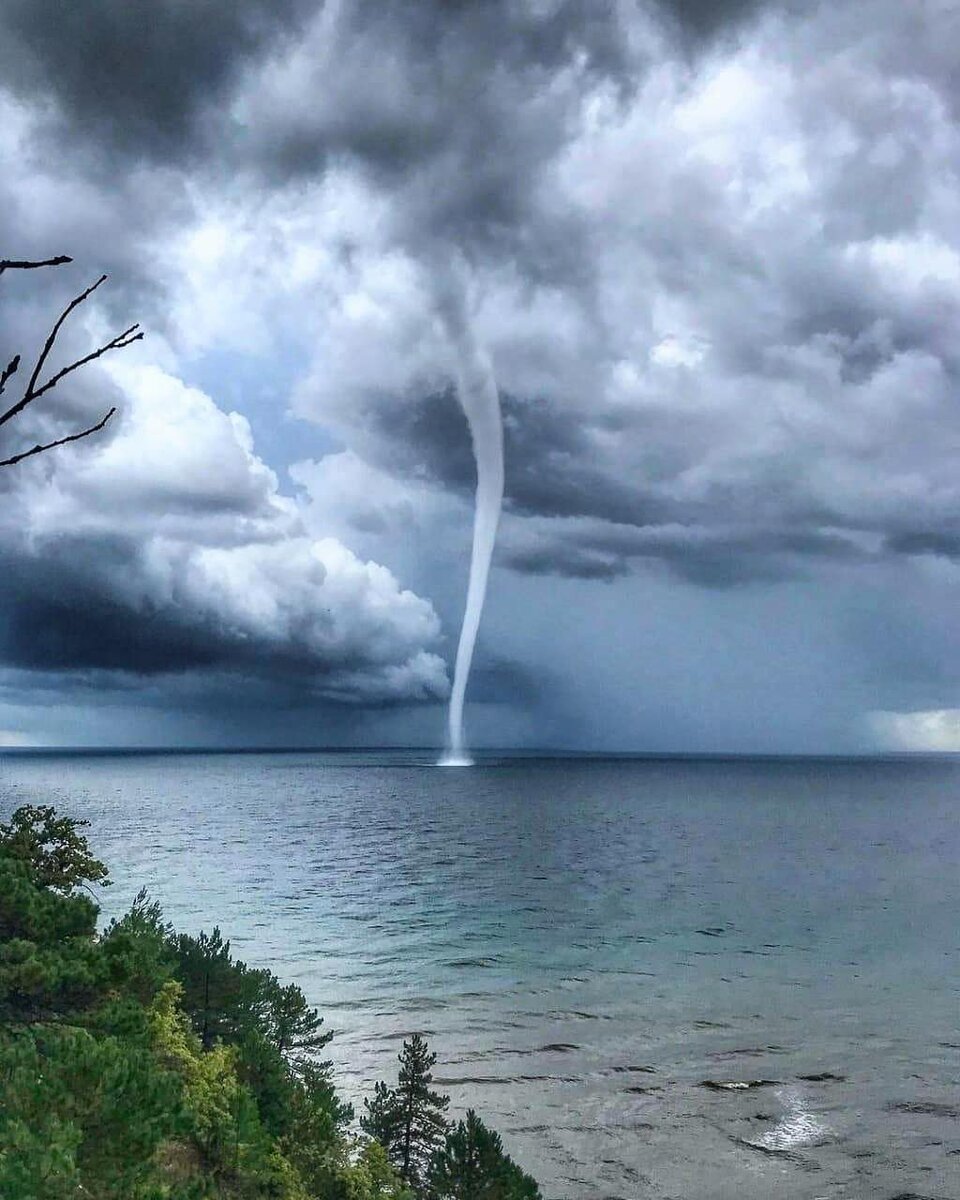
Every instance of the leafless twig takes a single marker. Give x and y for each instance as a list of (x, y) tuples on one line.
[(35, 388), (73, 437), (25, 264)]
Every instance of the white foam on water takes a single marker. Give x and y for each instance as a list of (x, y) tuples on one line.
[(796, 1128)]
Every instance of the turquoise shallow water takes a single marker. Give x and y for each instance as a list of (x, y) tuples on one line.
[(586, 942)]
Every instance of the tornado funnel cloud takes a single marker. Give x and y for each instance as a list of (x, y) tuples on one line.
[(480, 400)]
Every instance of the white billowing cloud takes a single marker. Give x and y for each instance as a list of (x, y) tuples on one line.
[(308, 598), (376, 339), (936, 730), (175, 464), (410, 523), (256, 272), (201, 537), (344, 492)]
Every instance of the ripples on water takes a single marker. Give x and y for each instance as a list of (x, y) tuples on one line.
[(586, 943)]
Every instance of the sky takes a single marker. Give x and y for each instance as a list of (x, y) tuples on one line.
[(711, 251)]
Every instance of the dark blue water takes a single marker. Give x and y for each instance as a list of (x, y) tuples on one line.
[(586, 942)]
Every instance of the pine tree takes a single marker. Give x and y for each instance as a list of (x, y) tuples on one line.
[(408, 1120), (294, 1027), (84, 1103), (215, 986), (57, 855), (227, 1000), (379, 1118), (49, 961), (140, 939), (473, 1166)]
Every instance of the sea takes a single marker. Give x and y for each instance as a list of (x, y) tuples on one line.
[(689, 978)]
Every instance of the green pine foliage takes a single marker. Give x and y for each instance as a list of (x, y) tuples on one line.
[(215, 992), (408, 1120), (49, 963), (473, 1166), (101, 1105), (55, 851), (142, 1064)]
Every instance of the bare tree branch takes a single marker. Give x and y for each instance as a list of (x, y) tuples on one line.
[(35, 388), (73, 437), (30, 394), (32, 390), (22, 264), (8, 370), (127, 338)]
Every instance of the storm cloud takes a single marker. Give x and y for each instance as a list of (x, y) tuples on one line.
[(713, 257), (165, 547), (718, 296)]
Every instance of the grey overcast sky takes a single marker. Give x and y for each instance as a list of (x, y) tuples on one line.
[(712, 252)]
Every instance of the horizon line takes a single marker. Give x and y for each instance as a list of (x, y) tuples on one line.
[(503, 752)]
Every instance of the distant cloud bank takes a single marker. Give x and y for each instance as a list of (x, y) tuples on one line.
[(937, 730)]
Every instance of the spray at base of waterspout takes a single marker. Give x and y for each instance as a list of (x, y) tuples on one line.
[(455, 760)]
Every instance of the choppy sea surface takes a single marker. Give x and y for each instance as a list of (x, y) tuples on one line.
[(587, 943)]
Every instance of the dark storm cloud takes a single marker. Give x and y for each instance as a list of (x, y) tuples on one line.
[(137, 79), (92, 603), (549, 457), (63, 614), (501, 681), (700, 20), (123, 101), (59, 618), (133, 77), (453, 109), (553, 471), (471, 104), (944, 543), (715, 558)]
